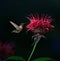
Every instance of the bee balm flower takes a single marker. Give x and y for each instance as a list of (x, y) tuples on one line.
[(6, 49), (41, 24)]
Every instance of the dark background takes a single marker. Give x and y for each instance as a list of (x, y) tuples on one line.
[(16, 11)]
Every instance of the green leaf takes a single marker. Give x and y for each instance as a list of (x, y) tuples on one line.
[(15, 58), (43, 59)]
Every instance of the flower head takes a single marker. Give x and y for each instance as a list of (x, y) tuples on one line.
[(6, 49), (40, 24)]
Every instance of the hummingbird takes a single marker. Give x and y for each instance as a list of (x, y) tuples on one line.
[(18, 29)]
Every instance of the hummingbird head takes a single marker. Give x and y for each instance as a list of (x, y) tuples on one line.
[(21, 24)]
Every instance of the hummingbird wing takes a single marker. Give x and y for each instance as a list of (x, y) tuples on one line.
[(15, 25)]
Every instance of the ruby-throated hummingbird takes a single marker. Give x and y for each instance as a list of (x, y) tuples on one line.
[(18, 28)]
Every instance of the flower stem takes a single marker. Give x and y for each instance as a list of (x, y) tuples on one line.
[(32, 50)]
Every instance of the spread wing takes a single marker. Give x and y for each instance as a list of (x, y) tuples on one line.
[(15, 25)]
